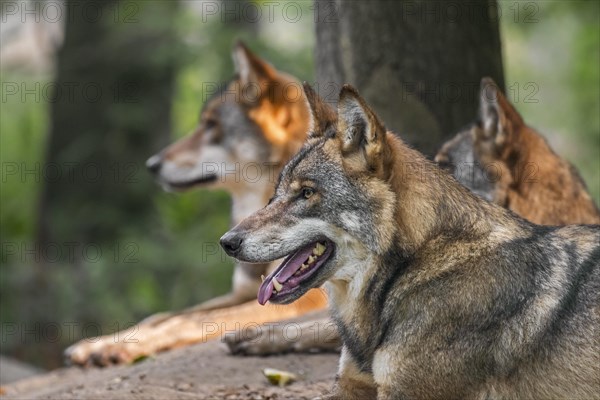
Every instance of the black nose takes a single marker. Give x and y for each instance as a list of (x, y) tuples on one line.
[(231, 243), (154, 163)]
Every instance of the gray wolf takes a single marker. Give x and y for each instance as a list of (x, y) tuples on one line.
[(502, 159), (437, 293)]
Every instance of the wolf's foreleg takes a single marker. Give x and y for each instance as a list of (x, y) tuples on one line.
[(351, 383)]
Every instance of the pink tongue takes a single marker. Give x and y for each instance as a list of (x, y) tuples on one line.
[(283, 272)]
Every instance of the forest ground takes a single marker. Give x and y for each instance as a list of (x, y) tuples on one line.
[(202, 371)]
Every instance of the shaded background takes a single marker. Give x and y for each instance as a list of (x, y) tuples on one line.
[(90, 247)]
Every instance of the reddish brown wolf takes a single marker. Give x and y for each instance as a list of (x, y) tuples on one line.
[(436, 292), (507, 162)]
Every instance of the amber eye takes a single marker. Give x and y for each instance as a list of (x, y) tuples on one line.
[(307, 192)]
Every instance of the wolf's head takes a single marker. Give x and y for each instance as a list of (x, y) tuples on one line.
[(478, 156), (255, 122), (333, 206)]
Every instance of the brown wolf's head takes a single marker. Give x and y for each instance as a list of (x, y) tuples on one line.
[(332, 207), (254, 123)]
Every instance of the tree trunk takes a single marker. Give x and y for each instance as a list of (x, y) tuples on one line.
[(418, 63), (110, 109), (113, 90)]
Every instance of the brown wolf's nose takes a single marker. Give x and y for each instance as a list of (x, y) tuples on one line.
[(154, 163), (231, 243)]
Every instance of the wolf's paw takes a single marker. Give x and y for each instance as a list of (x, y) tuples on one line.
[(102, 352), (316, 335), (154, 334), (257, 340)]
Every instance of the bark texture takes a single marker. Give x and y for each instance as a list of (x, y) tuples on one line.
[(418, 63)]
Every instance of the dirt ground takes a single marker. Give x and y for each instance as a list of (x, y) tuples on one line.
[(203, 371)]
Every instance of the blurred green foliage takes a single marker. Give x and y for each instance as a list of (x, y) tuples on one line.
[(22, 142), (554, 46), (175, 263)]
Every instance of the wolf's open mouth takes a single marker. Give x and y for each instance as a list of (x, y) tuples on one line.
[(295, 269)]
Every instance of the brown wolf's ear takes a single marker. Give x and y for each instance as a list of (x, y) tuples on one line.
[(359, 128), (250, 68), (322, 115), (499, 119)]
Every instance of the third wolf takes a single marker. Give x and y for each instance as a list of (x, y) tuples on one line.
[(502, 159)]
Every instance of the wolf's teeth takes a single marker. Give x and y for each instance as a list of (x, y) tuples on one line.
[(303, 267), (319, 249), (311, 259), (278, 286), (262, 278)]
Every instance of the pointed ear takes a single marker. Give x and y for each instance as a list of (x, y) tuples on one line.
[(359, 127), (322, 115), (250, 68), (499, 119)]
